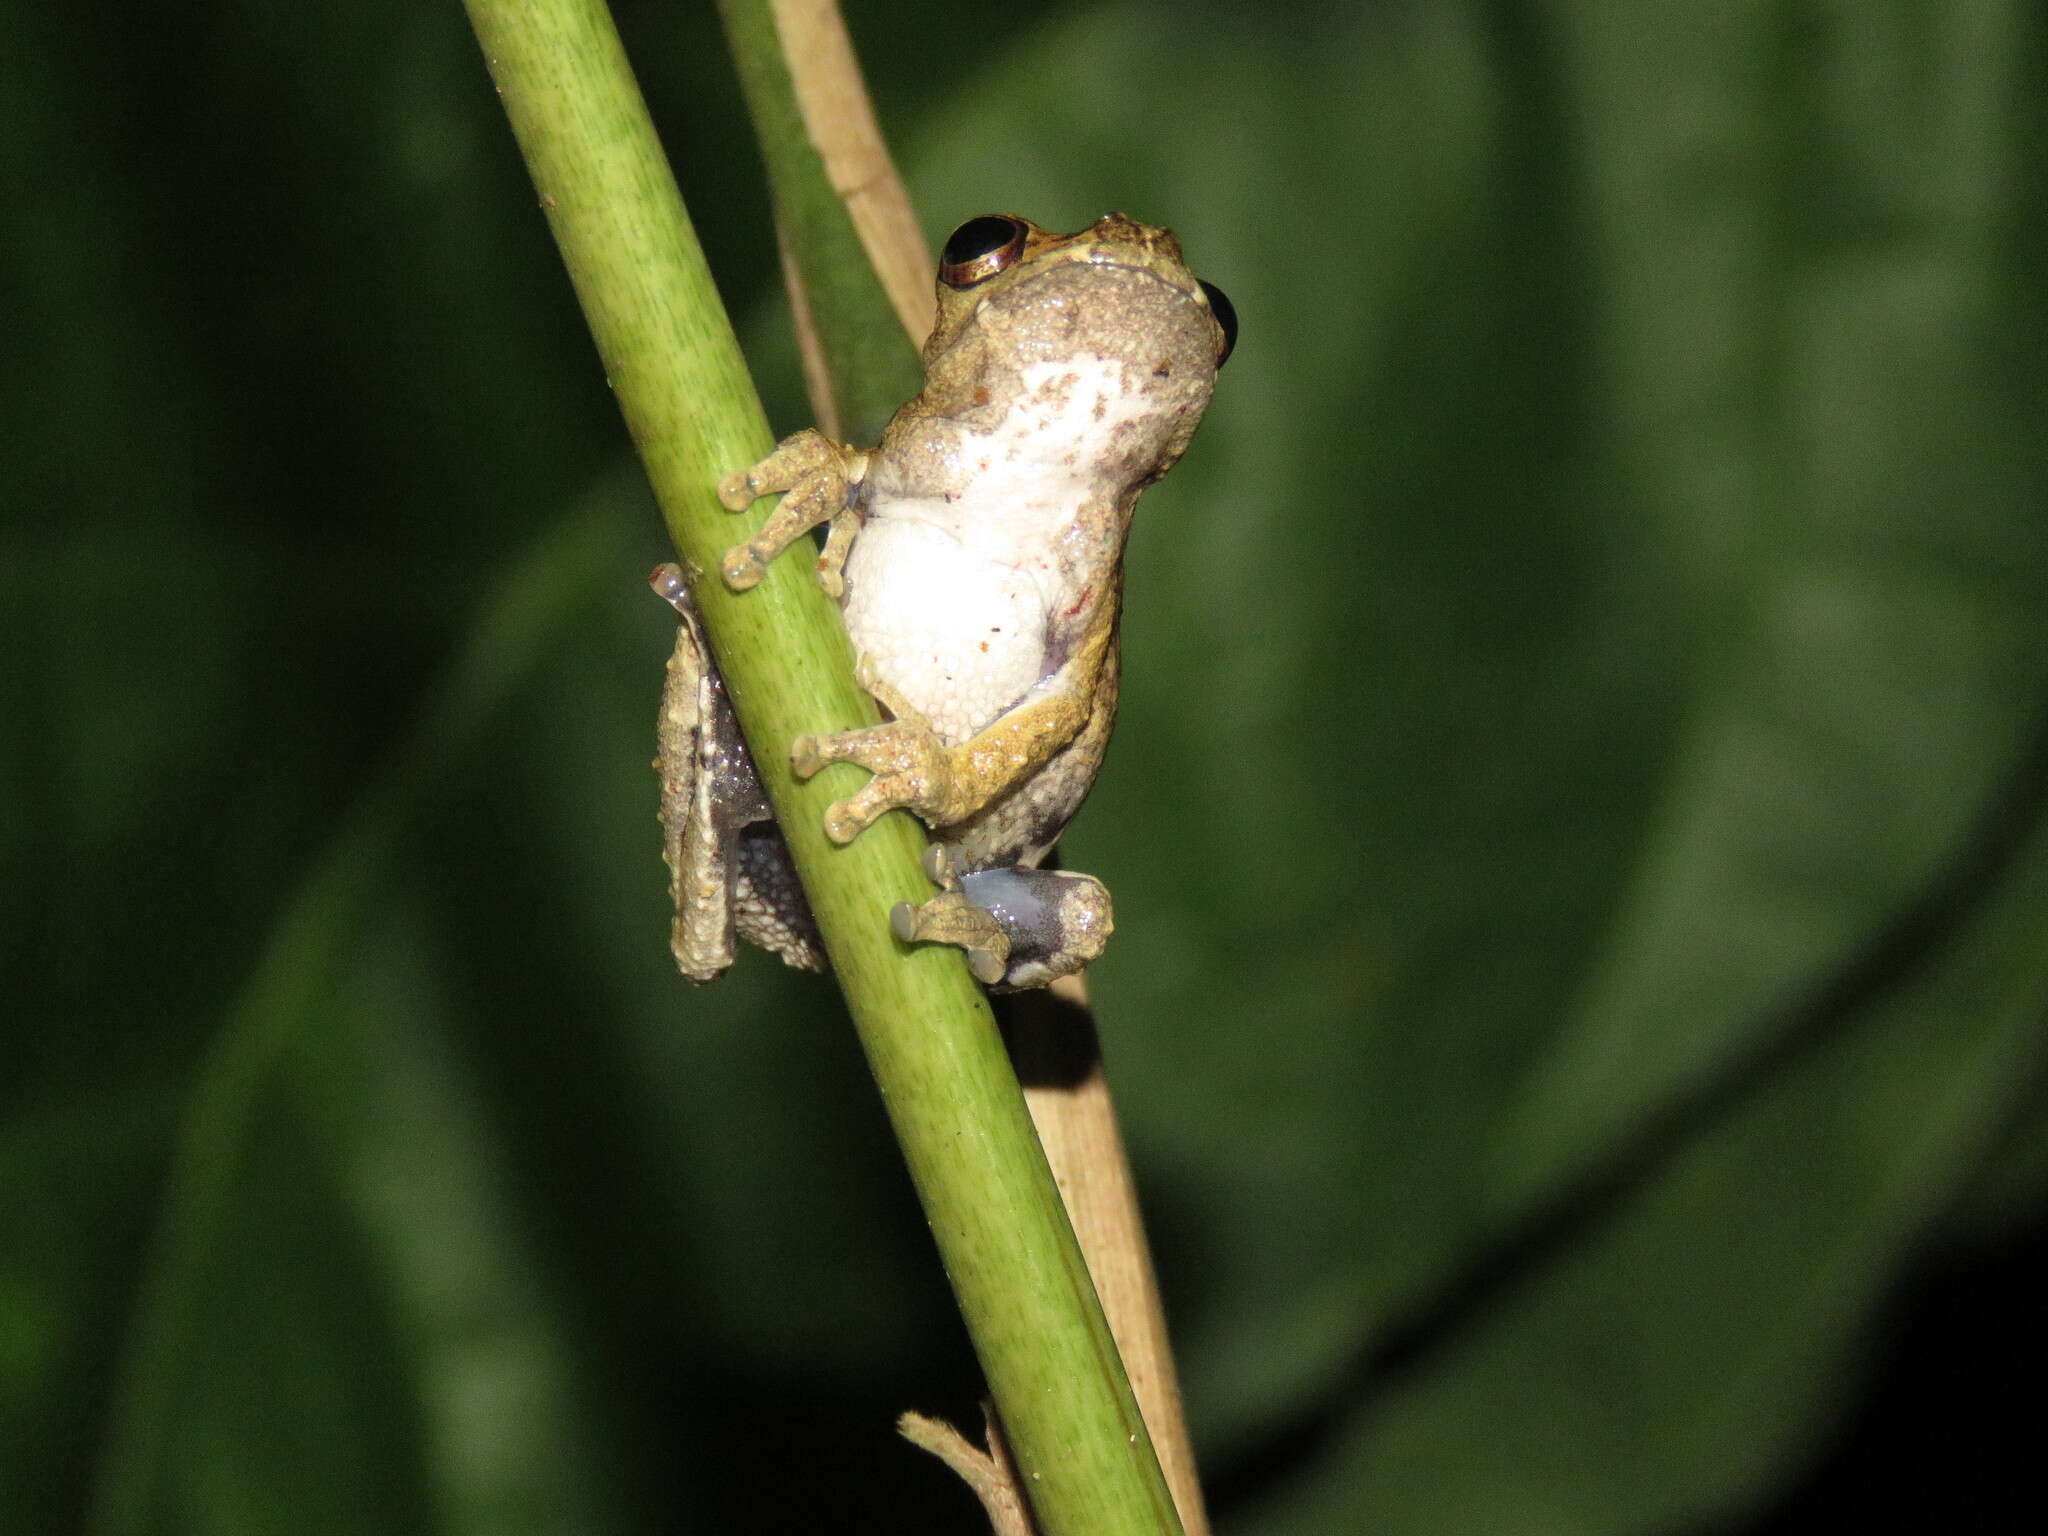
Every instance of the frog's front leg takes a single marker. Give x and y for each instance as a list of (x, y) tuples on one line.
[(915, 769), (820, 478)]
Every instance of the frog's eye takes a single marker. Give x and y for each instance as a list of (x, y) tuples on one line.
[(1226, 320), (981, 248)]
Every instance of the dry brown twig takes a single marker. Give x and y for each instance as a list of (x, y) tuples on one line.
[(990, 1473)]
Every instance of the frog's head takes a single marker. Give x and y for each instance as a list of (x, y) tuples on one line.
[(989, 259), (1114, 301)]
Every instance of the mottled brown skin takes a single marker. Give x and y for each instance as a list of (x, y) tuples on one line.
[(729, 869), (977, 556)]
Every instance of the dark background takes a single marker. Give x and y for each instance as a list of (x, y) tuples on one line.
[(1576, 823)]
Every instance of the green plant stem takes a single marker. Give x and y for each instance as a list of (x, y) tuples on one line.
[(682, 386)]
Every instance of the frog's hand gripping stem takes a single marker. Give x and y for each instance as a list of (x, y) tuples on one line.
[(819, 477), (945, 785)]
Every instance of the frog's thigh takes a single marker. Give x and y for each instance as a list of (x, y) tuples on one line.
[(1020, 927)]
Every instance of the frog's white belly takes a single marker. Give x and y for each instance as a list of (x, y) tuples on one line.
[(956, 630)]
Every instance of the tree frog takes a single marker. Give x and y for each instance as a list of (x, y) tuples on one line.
[(976, 554)]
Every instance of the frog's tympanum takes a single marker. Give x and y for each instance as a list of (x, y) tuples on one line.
[(976, 555)]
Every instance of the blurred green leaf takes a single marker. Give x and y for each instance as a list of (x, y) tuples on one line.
[(1576, 823)]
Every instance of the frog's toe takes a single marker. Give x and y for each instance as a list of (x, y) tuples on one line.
[(737, 490), (941, 865), (847, 819), (894, 749), (866, 746), (807, 756), (742, 567), (669, 585)]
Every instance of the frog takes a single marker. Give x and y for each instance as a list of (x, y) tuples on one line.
[(976, 554)]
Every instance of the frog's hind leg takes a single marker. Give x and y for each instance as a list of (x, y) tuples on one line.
[(729, 870), (1020, 927)]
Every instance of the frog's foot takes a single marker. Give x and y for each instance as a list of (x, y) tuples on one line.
[(1020, 927), (950, 918), (818, 477)]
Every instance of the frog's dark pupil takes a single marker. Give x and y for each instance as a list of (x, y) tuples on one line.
[(978, 238), (1226, 317)]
